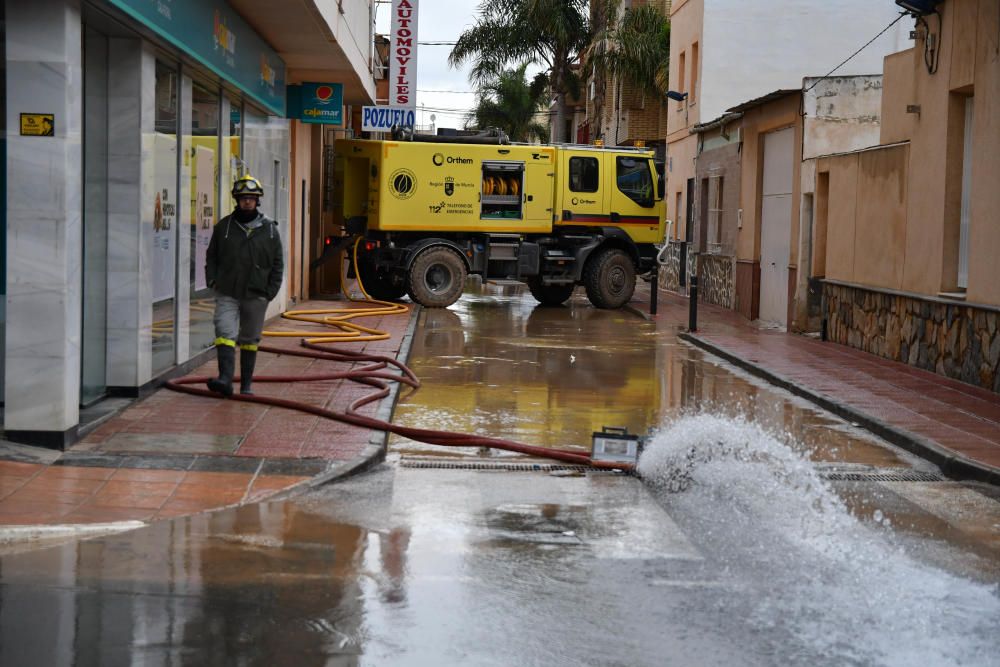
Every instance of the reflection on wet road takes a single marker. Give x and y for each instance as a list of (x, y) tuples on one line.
[(499, 364)]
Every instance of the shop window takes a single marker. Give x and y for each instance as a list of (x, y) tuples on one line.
[(205, 211), (163, 210), (584, 174)]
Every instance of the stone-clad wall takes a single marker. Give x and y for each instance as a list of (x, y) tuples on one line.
[(716, 282), (716, 275), (670, 276), (952, 339)]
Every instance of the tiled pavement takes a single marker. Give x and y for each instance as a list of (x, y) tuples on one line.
[(953, 424), (173, 454)]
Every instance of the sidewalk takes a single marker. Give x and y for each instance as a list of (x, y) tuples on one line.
[(173, 454), (954, 425)]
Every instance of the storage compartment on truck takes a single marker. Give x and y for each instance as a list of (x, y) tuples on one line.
[(502, 193)]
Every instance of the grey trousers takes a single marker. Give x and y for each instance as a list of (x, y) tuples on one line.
[(239, 321)]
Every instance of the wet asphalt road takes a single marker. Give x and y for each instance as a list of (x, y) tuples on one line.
[(735, 547)]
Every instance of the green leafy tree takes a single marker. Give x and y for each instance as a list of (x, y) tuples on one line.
[(512, 104), (549, 33)]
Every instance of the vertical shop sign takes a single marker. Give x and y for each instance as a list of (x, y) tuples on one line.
[(403, 54)]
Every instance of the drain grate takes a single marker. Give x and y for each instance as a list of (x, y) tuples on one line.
[(505, 467), (838, 474), (881, 475)]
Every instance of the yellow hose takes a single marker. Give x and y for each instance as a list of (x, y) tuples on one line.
[(340, 318)]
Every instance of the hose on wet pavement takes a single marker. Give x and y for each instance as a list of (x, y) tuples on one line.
[(373, 373)]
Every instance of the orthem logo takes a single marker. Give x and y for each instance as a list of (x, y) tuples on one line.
[(402, 184), (324, 94), (575, 202), (438, 159)]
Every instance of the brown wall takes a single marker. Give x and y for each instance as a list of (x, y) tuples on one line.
[(967, 65), (865, 216), (724, 162), (775, 115)]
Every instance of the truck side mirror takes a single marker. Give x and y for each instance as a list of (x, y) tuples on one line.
[(660, 184)]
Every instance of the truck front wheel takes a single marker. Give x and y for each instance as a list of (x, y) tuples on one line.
[(549, 295), (609, 277), (437, 277)]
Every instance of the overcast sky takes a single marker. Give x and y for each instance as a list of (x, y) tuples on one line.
[(438, 21)]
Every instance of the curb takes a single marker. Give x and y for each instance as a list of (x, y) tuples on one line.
[(374, 453), (952, 464), (20, 534)]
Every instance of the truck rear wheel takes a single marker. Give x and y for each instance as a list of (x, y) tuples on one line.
[(609, 277), (437, 277), (550, 295)]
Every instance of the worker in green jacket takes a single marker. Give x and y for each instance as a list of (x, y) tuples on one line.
[(244, 265)]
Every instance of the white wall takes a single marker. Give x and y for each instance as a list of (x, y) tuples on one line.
[(842, 114), (753, 48)]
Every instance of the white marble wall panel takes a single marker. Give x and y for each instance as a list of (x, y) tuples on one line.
[(44, 221), (128, 359)]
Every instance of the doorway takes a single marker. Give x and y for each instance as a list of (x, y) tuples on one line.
[(776, 226)]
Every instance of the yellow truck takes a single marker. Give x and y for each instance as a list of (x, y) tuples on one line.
[(553, 217)]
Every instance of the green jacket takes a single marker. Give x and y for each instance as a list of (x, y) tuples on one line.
[(243, 262)]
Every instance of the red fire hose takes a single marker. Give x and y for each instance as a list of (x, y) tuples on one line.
[(374, 375)]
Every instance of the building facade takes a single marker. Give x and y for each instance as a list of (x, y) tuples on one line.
[(126, 122), (725, 52), (907, 234)]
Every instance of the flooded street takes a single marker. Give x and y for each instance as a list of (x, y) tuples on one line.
[(759, 533)]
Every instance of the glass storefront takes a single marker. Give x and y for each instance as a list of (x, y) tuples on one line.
[(198, 147), (164, 219)]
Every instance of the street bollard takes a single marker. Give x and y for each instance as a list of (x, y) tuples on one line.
[(693, 304), (654, 289)]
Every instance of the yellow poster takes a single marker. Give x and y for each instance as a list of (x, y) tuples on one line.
[(38, 125)]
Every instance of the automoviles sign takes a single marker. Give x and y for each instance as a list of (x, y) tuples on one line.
[(403, 54)]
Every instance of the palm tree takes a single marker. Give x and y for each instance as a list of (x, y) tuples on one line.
[(549, 33), (632, 46), (511, 103)]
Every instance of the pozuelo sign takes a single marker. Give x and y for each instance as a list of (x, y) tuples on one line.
[(382, 119)]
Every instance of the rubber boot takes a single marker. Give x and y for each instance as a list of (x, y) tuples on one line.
[(248, 359), (227, 365)]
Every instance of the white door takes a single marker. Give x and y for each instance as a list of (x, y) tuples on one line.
[(776, 226)]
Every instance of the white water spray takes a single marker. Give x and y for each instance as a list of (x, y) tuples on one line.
[(813, 581)]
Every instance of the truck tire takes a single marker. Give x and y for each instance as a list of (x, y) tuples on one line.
[(437, 277), (609, 277), (550, 295), (379, 285)]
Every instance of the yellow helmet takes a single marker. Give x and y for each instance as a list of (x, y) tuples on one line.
[(247, 185)]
